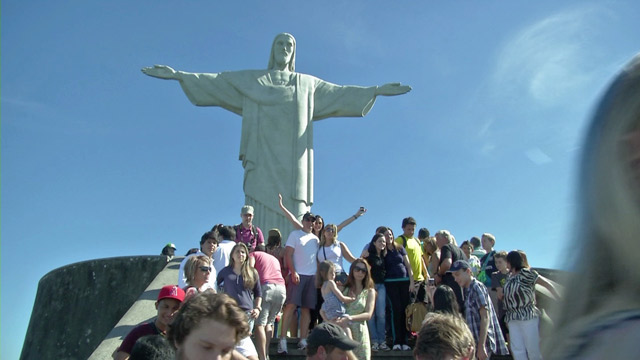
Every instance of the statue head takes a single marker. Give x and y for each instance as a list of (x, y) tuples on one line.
[(283, 49)]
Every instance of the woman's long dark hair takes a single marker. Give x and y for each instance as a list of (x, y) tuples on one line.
[(372, 247), (444, 301)]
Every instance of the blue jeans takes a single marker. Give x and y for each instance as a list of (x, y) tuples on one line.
[(376, 323)]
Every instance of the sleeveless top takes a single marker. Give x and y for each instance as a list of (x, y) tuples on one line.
[(332, 253), (332, 306)]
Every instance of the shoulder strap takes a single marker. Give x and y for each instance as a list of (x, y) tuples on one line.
[(486, 261), (254, 233), (404, 241)]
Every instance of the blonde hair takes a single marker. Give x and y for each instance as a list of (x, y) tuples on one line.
[(609, 210), (249, 274), (430, 242), (192, 265), (323, 240), (490, 237)]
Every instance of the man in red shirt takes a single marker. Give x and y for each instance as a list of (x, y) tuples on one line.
[(246, 232), (169, 300)]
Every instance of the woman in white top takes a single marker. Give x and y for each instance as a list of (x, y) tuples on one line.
[(333, 250)]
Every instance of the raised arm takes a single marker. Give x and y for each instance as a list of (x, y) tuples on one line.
[(292, 218), (392, 89), (161, 72), (352, 218)]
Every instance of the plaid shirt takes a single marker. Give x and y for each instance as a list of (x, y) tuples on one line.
[(475, 298)]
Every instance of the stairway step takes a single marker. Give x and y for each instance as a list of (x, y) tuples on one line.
[(294, 353)]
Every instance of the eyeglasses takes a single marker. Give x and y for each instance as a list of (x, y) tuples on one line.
[(309, 219), (357, 268), (205, 268), (330, 229)]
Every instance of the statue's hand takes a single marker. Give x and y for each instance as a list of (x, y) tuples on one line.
[(160, 71), (393, 89)]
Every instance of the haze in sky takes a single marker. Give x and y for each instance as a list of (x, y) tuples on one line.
[(99, 160)]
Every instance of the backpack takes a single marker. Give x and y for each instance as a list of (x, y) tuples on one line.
[(254, 235), (415, 314)]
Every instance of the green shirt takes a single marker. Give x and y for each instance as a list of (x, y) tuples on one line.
[(414, 253)]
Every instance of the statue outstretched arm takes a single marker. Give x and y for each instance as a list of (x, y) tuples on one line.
[(161, 72), (287, 214), (392, 89)]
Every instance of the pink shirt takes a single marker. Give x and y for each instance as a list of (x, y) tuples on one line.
[(268, 268)]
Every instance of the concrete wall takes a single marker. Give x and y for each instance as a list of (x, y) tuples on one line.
[(143, 310), (78, 305)]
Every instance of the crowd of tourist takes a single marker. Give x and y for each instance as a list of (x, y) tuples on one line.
[(303, 283)]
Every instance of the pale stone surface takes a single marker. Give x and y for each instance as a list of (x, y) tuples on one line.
[(278, 107)]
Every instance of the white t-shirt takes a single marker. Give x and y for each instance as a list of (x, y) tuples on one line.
[(222, 254), (305, 247)]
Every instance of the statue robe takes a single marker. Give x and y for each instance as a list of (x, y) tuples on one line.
[(276, 146)]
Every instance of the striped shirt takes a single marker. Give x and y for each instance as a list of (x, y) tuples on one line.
[(476, 297), (520, 296)]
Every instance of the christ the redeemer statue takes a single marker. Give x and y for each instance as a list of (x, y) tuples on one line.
[(278, 107)]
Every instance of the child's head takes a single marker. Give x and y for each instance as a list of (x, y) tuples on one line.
[(326, 271), (501, 261)]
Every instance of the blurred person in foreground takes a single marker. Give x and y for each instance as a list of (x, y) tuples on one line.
[(599, 316), (208, 326), (444, 337)]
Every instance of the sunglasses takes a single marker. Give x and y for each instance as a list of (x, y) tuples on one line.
[(205, 268), (357, 268)]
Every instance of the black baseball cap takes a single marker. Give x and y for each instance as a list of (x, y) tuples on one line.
[(459, 265), (330, 334), (309, 216)]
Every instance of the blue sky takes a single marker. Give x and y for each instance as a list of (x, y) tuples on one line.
[(99, 160)]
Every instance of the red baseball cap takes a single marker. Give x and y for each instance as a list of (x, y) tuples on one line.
[(171, 292)]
